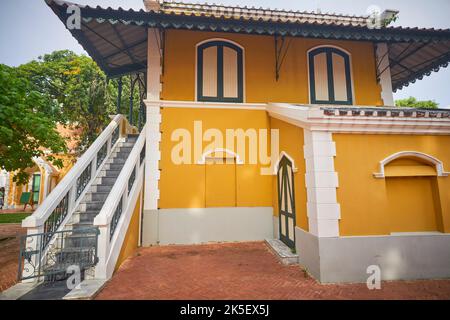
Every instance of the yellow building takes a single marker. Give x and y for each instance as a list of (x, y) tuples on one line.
[(264, 124)]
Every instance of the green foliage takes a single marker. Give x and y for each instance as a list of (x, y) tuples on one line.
[(79, 87), (25, 127), (57, 88), (412, 102)]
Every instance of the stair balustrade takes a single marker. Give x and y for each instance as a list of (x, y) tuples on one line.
[(50, 218), (115, 215)]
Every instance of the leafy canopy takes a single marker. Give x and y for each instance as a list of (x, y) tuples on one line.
[(25, 126), (412, 102), (58, 88)]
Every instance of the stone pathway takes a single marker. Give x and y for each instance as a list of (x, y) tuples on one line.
[(240, 271), (9, 254)]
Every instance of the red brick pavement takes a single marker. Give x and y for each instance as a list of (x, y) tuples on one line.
[(240, 271), (9, 254)]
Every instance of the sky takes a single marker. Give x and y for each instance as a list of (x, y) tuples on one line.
[(28, 29)]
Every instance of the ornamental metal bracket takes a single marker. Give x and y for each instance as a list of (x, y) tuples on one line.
[(281, 50)]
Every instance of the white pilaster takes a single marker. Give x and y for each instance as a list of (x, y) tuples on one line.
[(153, 133), (321, 183), (384, 71)]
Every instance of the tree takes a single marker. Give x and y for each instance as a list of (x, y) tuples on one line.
[(79, 87), (86, 98), (26, 129), (57, 88), (412, 102)]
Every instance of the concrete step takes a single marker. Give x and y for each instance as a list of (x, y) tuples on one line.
[(103, 188), (123, 149), (112, 173), (99, 196), (128, 144), (94, 205), (88, 216), (285, 254), (115, 166), (118, 160), (81, 226), (80, 240)]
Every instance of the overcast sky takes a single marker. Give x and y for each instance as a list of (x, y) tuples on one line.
[(28, 28)]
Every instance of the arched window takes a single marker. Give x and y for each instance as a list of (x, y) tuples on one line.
[(330, 76), (220, 72)]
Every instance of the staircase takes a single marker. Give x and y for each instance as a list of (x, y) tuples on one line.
[(94, 199), (81, 225), (80, 237)]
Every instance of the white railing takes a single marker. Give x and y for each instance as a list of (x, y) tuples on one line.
[(115, 215), (65, 198)]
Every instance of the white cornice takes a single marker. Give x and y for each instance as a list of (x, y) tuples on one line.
[(207, 105), (313, 118)]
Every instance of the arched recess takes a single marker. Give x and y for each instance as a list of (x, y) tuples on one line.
[(220, 177), (420, 170), (413, 193)]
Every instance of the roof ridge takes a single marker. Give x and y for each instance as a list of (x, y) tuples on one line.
[(178, 4)]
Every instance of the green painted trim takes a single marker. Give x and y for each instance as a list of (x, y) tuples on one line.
[(331, 94), (285, 168), (220, 95)]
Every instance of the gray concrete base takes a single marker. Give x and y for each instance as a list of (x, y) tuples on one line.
[(18, 290), (282, 251), (202, 225), (87, 290), (399, 257)]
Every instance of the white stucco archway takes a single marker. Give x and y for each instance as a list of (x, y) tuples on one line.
[(415, 154)]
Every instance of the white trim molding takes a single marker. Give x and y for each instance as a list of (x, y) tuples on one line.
[(436, 162), (207, 154), (321, 180), (211, 105), (369, 120), (153, 131), (284, 154), (384, 74)]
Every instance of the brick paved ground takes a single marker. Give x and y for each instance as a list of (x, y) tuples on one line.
[(9, 253), (240, 271)]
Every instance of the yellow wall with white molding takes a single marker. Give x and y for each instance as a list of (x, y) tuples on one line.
[(291, 142), (368, 206), (183, 185), (260, 85)]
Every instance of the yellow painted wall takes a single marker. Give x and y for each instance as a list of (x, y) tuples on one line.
[(291, 142), (259, 68), (184, 185), (412, 204), (366, 206), (131, 240)]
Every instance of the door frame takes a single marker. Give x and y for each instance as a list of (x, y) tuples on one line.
[(286, 167)]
